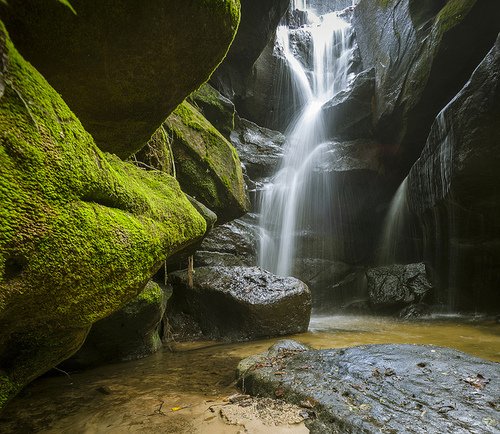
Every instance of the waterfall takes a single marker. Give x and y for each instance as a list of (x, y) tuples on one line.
[(291, 201), (394, 225)]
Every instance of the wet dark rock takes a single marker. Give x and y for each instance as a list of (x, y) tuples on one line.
[(130, 333), (123, 66), (335, 286), (260, 149), (393, 287), (259, 19), (423, 52), (415, 311), (296, 18), (402, 388), (349, 113), (230, 244), (348, 230), (239, 303), (453, 189)]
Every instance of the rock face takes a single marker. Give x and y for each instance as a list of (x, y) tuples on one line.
[(206, 164), (239, 303), (81, 232), (229, 244), (259, 148), (259, 19), (453, 189), (393, 287), (130, 333), (349, 113), (402, 388), (349, 232), (123, 67), (413, 45)]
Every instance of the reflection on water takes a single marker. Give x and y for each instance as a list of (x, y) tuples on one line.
[(138, 396)]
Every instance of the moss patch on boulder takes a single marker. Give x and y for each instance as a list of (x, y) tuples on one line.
[(207, 165), (81, 232)]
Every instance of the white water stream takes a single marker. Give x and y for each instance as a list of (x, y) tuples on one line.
[(291, 201)]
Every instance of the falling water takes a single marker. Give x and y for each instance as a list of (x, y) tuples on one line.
[(289, 203), (394, 225)]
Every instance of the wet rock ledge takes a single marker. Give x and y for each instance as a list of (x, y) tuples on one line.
[(380, 388)]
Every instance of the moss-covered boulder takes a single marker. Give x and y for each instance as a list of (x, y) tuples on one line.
[(81, 232), (128, 334), (207, 166), (218, 109), (123, 65)]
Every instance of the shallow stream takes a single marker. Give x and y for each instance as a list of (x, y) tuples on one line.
[(182, 391)]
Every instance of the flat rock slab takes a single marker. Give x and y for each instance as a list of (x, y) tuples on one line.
[(380, 388), (238, 303)]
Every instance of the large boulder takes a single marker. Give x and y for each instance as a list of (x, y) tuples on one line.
[(402, 388), (206, 164), (239, 303), (121, 65), (81, 232), (453, 189), (127, 334), (423, 52), (393, 287)]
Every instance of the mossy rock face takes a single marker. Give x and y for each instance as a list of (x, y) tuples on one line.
[(156, 154), (123, 65), (81, 232), (207, 165), (130, 333), (218, 109)]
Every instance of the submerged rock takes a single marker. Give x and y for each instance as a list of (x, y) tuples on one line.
[(238, 303), (393, 287), (453, 189), (81, 232), (128, 334), (207, 165), (402, 388), (123, 66)]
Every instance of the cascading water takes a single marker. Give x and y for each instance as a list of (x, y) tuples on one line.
[(292, 201)]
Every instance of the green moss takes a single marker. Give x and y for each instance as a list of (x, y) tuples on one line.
[(453, 13), (157, 153), (81, 232), (217, 109), (151, 294), (208, 166)]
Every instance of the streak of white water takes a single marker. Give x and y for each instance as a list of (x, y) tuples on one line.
[(393, 226), (290, 200)]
